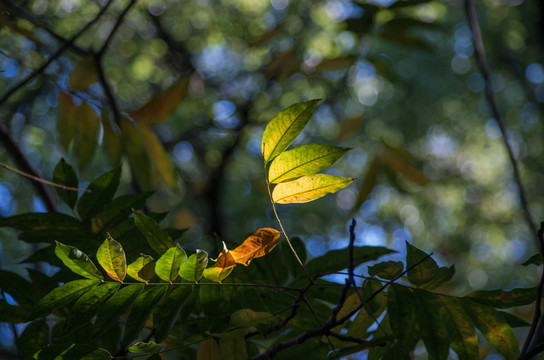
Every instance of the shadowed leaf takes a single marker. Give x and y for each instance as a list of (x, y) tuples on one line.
[(337, 260), (193, 268), (34, 337), (88, 130), (64, 174), (160, 159), (504, 299), (157, 238), (141, 309), (425, 271), (115, 306), (167, 311), (83, 75), (111, 140), (432, 328), (101, 193), (388, 270), (208, 350), (66, 121), (142, 269), (145, 348), (136, 153)]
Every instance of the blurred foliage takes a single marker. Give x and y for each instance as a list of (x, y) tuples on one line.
[(195, 82)]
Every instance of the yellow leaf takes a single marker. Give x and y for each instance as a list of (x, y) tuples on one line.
[(257, 245), (222, 268), (112, 140), (308, 188), (158, 155), (83, 75), (162, 106), (66, 124)]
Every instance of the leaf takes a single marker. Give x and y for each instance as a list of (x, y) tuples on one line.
[(83, 75), (443, 275), (387, 270), (115, 306), (112, 258), (308, 188), (136, 153), (157, 238), (162, 106), (401, 304), (425, 271), (41, 221), (302, 161), (167, 312), (432, 329), (233, 347), (167, 266), (369, 182), (111, 140), (88, 304), (77, 261), (141, 309), (248, 317), (62, 296), (19, 288), (158, 156), (208, 350), (64, 174), (504, 299), (283, 129), (66, 120), (193, 268), (222, 268), (259, 244), (493, 327), (101, 193), (337, 260), (536, 259), (34, 337), (463, 338), (513, 320), (145, 348), (362, 321), (11, 313), (142, 269), (118, 210), (88, 130), (402, 166)]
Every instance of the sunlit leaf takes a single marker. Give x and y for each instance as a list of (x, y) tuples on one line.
[(308, 188), (208, 350), (77, 261), (302, 161), (463, 338), (259, 244), (136, 153), (337, 260), (167, 311), (193, 268), (62, 296), (157, 238), (222, 268), (145, 348), (64, 174), (141, 309), (88, 130), (493, 327), (83, 75), (167, 266), (162, 106), (34, 337), (112, 258), (111, 140), (388, 270), (425, 271), (504, 299), (160, 159), (101, 193), (282, 130), (115, 306), (66, 120), (142, 269), (233, 346)]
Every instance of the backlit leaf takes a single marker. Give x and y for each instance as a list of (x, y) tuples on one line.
[(193, 268), (162, 106), (337, 260), (62, 296), (504, 299), (308, 188), (259, 244), (302, 161), (388, 270), (115, 306), (111, 140), (112, 258), (136, 153), (167, 311), (208, 350), (141, 309), (145, 348), (77, 261), (142, 269), (493, 327), (160, 159), (283, 129), (157, 238), (66, 120), (88, 130), (222, 268), (425, 271), (83, 75), (101, 193), (167, 266), (64, 174)]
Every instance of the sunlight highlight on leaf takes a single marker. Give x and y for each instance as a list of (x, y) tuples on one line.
[(112, 258), (77, 261), (142, 269), (308, 188), (259, 244), (222, 268), (168, 265), (193, 268)]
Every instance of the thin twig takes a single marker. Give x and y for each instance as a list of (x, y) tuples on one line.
[(479, 53)]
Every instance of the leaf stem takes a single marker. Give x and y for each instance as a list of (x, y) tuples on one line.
[(36, 178)]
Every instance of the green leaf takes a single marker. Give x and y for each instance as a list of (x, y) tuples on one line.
[(401, 304), (210, 300), (115, 306), (66, 120), (157, 238), (337, 260), (463, 338), (88, 305), (118, 210), (432, 328), (302, 161), (504, 299), (64, 174), (444, 274), (283, 129), (11, 313), (193, 268), (62, 296), (536, 259), (308, 188), (41, 221), (141, 309), (168, 265), (20, 289), (425, 271), (160, 159), (222, 268), (66, 351), (34, 337), (233, 346), (388, 270), (88, 130), (363, 320), (102, 191), (112, 258), (77, 261), (513, 320), (248, 317), (136, 153), (145, 348), (208, 350), (167, 312), (142, 269), (493, 327)]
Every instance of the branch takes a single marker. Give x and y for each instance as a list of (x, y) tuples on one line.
[(479, 53)]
